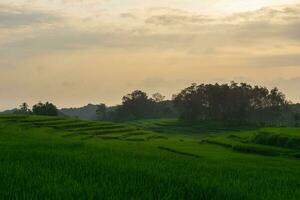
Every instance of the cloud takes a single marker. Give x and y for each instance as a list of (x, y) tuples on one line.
[(175, 17), (128, 15), (254, 39), (158, 28), (283, 60), (279, 14), (264, 23), (13, 16)]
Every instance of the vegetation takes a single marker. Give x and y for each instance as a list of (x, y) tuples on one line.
[(137, 105), (63, 158), (23, 109), (87, 112), (47, 109), (225, 103), (209, 142), (285, 140), (234, 102)]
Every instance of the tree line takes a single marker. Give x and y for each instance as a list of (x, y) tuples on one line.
[(46, 109), (230, 102), (234, 103), (138, 105)]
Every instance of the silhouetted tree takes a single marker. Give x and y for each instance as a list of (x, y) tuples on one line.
[(229, 102), (47, 109), (158, 97), (101, 111), (136, 105), (23, 109), (297, 119)]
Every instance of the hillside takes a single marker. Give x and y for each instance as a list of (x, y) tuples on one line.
[(87, 112), (63, 158)]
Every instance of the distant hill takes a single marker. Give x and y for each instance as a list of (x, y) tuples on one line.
[(9, 111), (87, 112)]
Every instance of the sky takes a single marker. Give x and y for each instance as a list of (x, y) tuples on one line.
[(75, 52)]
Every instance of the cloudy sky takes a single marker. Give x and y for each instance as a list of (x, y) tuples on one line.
[(74, 52)]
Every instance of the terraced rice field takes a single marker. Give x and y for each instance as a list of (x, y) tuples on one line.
[(66, 158), (92, 129)]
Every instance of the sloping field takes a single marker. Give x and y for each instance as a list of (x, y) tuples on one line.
[(75, 127), (65, 158), (178, 127)]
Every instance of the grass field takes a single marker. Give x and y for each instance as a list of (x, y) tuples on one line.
[(64, 158)]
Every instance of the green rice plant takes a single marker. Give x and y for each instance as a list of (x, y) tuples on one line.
[(110, 137), (152, 137), (223, 144), (136, 133), (71, 125), (107, 131), (55, 123), (48, 163), (275, 139), (256, 150), (97, 127), (179, 152), (44, 119), (135, 139)]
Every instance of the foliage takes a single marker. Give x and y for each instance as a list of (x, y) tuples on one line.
[(157, 97), (101, 112), (47, 109), (87, 112), (234, 102), (23, 109), (297, 118), (138, 105)]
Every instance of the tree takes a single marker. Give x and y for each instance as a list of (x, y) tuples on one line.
[(136, 105), (47, 109), (101, 111), (229, 102), (296, 119), (157, 97), (23, 109), (191, 103)]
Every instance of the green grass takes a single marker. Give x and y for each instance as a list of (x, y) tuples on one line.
[(57, 158)]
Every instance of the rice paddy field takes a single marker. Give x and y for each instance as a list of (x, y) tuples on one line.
[(66, 158)]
